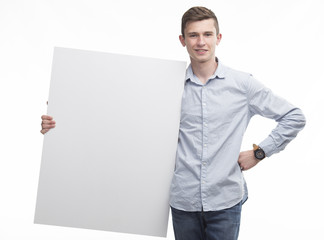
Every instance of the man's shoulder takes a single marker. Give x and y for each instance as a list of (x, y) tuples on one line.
[(237, 79), (235, 74)]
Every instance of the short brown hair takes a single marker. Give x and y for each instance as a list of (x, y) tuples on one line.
[(198, 14)]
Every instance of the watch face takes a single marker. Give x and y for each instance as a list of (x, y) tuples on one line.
[(259, 154)]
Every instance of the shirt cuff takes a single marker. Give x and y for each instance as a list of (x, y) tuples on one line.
[(269, 147)]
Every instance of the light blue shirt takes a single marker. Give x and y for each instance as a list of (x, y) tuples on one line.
[(214, 117)]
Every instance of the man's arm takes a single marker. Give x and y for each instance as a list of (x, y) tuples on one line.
[(290, 121)]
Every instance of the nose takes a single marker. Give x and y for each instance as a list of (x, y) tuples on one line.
[(201, 41)]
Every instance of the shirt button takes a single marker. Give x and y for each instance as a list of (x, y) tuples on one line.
[(204, 104), (205, 145), (205, 124)]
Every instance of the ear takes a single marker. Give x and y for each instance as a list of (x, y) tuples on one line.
[(182, 40), (219, 38)]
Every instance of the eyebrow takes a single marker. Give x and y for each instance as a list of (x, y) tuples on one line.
[(210, 32)]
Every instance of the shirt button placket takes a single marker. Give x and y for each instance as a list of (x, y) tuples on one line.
[(204, 159)]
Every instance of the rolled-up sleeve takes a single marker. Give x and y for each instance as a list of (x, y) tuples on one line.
[(290, 119)]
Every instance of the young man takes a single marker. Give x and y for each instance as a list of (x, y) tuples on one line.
[(208, 188)]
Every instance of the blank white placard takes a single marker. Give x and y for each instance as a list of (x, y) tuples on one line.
[(108, 164)]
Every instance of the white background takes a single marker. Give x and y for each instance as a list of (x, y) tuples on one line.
[(279, 42)]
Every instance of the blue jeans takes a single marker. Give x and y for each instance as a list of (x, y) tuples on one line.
[(213, 225)]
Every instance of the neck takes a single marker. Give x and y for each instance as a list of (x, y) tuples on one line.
[(204, 70)]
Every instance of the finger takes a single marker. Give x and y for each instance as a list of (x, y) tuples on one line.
[(48, 122), (48, 126), (43, 131), (46, 117)]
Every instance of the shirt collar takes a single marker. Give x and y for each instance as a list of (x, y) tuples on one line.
[(218, 74)]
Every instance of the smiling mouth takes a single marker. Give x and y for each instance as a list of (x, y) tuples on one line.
[(200, 51)]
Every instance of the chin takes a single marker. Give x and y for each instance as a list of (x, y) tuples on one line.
[(202, 60)]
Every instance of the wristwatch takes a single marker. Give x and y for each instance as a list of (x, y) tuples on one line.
[(258, 152)]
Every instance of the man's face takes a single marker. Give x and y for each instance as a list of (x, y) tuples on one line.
[(201, 40)]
